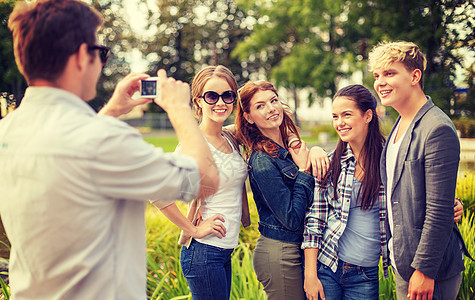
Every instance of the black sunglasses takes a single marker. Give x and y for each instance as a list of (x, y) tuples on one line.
[(103, 52), (211, 97)]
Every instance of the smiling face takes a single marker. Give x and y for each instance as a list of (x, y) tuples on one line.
[(394, 84), (266, 111), (219, 111), (349, 121)]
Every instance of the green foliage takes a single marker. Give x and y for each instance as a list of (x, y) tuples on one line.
[(5, 289), (466, 191), (387, 287), (465, 102), (466, 127), (244, 281), (466, 226), (11, 81), (117, 34), (183, 38), (316, 130), (248, 236), (294, 46), (168, 143), (164, 279), (314, 44)]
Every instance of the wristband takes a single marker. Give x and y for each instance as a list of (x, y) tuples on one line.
[(305, 171), (295, 139)]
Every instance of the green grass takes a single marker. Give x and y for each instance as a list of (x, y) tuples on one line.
[(167, 143), (467, 229), (466, 190)]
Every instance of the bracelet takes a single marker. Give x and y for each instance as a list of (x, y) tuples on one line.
[(295, 139), (305, 171)]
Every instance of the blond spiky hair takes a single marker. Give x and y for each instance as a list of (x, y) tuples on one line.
[(407, 53)]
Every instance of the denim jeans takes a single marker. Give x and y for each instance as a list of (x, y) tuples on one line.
[(207, 270), (349, 281)]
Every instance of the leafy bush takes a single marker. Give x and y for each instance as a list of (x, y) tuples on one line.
[(387, 286), (466, 126), (466, 191), (467, 228), (316, 130)]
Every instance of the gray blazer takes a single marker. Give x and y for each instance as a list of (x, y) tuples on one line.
[(425, 236)]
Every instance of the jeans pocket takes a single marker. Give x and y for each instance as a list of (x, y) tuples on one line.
[(321, 267), (185, 259), (370, 273)]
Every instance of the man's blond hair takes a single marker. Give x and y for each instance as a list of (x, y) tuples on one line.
[(407, 53)]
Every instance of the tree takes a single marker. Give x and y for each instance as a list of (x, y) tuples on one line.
[(465, 103), (299, 44), (12, 83), (437, 27), (116, 34), (183, 36), (313, 44)]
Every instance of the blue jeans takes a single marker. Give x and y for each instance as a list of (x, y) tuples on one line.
[(349, 281), (207, 270)]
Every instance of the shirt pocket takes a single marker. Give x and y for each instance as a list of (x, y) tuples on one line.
[(290, 172)]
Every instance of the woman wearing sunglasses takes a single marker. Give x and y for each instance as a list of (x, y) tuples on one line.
[(282, 188), (210, 232)]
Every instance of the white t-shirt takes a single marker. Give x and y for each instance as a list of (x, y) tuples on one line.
[(73, 190), (228, 199), (391, 157)]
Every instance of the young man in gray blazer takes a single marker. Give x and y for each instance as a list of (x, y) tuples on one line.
[(419, 171)]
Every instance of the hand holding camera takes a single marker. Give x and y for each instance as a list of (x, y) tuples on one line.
[(121, 101), (149, 88)]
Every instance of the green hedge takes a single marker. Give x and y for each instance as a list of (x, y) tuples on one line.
[(466, 127)]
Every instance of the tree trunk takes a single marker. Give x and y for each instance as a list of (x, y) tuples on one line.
[(296, 102)]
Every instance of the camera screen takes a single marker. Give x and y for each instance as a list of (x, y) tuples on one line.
[(149, 88)]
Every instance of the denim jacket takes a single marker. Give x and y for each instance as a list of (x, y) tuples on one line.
[(282, 195)]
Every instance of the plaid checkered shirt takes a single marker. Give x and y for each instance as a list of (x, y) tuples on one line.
[(327, 218)]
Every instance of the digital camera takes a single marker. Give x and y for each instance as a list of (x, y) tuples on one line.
[(149, 87)]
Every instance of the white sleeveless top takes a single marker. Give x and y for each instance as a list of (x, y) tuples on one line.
[(228, 199)]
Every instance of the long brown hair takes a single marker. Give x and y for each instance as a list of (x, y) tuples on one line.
[(370, 154), (249, 134)]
